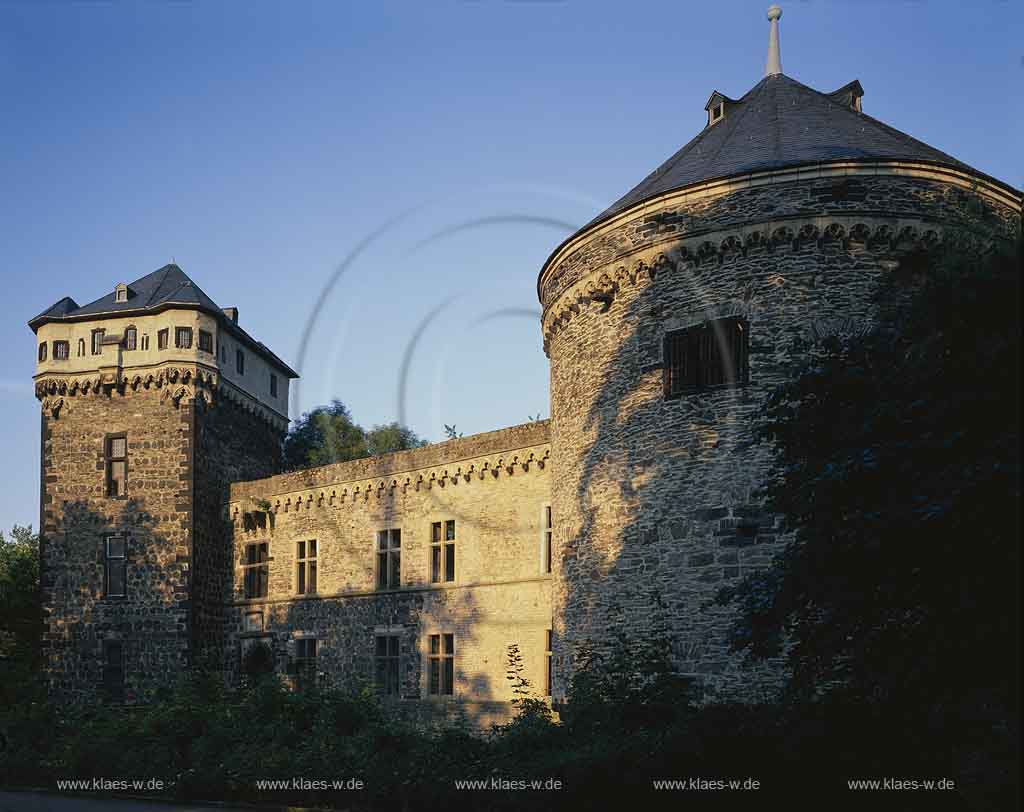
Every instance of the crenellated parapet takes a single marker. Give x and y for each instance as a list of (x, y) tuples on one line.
[(177, 384)]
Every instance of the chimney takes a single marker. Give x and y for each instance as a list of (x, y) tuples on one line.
[(231, 313)]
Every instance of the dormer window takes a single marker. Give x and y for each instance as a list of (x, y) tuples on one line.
[(121, 293), (716, 107), (717, 112)]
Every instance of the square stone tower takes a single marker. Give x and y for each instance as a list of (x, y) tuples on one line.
[(153, 401)]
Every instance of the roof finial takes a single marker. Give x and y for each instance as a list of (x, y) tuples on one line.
[(774, 65)]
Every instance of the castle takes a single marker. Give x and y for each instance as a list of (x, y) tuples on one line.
[(169, 536)]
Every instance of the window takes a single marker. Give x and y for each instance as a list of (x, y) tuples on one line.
[(547, 652), (706, 356), (130, 338), (97, 341), (442, 664), (545, 542), (222, 350), (273, 385), (145, 342), (121, 293), (442, 551), (256, 570), (183, 338), (306, 649), (389, 558), (305, 576), (117, 465), (253, 622), (717, 111), (113, 670), (386, 661), (161, 339), (206, 341), (61, 350), (42, 352), (81, 347), (115, 567), (239, 362)]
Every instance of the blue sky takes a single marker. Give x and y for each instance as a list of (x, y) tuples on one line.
[(452, 143)]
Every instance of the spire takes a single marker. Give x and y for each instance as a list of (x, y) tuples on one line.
[(774, 65)]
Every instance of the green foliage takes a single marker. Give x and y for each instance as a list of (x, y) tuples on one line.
[(897, 465), (20, 616), (328, 434)]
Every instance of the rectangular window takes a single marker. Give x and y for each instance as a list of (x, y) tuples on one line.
[(206, 341), (305, 567), (117, 465), (273, 385), (61, 350), (115, 567), (253, 622), (97, 341), (442, 664), (130, 338), (389, 558), (545, 552), (183, 338), (256, 570), (306, 650), (386, 662), (145, 342), (547, 653), (706, 356), (161, 339), (113, 670), (239, 362), (442, 551), (42, 352)]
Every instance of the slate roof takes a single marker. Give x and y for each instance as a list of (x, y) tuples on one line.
[(166, 287), (779, 123)]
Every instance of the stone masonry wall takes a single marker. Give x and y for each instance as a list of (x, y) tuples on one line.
[(654, 503), (153, 620), (494, 486)]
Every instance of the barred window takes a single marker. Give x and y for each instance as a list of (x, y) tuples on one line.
[(130, 338), (389, 558), (256, 570), (386, 660), (117, 465), (442, 551), (305, 574), (706, 356), (183, 338), (97, 341), (206, 341), (115, 567), (61, 350), (442, 664)]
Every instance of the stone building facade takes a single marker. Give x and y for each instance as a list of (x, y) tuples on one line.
[(666, 321)]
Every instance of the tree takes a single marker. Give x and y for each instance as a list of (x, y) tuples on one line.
[(897, 466), (328, 434), (19, 591)]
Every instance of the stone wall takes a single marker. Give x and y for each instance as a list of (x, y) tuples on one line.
[(153, 621), (655, 503), (494, 486)]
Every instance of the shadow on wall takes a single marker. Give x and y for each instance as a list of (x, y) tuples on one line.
[(119, 623), (664, 501)]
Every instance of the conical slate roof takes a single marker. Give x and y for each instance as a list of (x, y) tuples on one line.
[(779, 123)]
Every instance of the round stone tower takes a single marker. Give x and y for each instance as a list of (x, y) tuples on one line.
[(670, 317)]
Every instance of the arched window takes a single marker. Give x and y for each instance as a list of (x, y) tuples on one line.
[(81, 347), (130, 338)]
